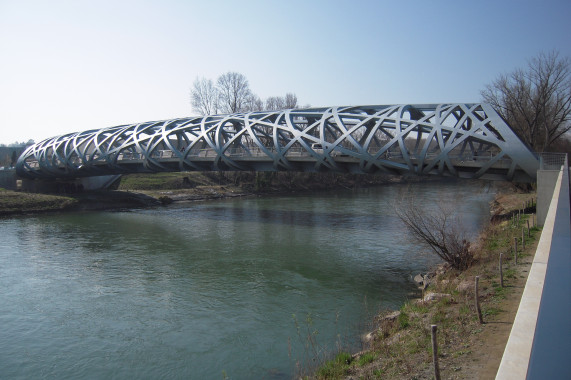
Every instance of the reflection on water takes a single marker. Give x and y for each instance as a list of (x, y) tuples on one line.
[(193, 290)]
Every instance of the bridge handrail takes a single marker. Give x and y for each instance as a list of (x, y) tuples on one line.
[(292, 152), (551, 160), (301, 152)]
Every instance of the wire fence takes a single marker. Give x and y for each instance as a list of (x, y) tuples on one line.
[(551, 161)]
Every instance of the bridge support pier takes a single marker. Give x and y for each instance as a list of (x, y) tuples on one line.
[(70, 185), (8, 179)]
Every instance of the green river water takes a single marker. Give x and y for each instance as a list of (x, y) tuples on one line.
[(211, 289)]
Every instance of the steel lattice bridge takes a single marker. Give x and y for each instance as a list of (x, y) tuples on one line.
[(460, 140)]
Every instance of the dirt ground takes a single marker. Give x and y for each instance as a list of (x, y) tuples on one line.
[(487, 347)]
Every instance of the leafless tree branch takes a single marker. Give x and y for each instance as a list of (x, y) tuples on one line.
[(439, 230), (204, 97), (535, 102), (234, 90)]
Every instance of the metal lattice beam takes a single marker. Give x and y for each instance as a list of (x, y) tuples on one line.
[(462, 140)]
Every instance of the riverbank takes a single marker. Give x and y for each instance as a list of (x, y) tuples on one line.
[(399, 345), (152, 190)]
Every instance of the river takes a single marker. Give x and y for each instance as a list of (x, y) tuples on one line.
[(238, 288)]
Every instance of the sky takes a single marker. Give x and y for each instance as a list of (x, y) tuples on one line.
[(69, 66)]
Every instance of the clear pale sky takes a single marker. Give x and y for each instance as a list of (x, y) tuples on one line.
[(68, 66)]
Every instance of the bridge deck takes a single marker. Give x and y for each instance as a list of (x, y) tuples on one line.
[(465, 166)]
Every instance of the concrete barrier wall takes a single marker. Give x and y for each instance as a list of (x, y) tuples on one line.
[(539, 346), (551, 351)]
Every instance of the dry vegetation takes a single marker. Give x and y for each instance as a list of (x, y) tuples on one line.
[(399, 345)]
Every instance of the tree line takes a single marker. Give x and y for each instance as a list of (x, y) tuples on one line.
[(231, 93)]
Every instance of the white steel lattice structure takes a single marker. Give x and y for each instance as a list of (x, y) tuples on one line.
[(462, 140)]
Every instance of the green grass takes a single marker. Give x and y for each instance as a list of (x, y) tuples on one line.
[(439, 317), (165, 181), (510, 273), (464, 310), (491, 311), (417, 307), (403, 320), (18, 202), (367, 358), (499, 292), (336, 368)]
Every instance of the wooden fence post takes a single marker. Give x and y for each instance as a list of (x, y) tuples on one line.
[(433, 329), (515, 250), (477, 299), (501, 272)]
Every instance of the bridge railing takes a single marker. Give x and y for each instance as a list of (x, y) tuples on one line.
[(551, 161)]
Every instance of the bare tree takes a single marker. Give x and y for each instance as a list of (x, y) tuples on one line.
[(233, 90), (536, 101), (232, 94), (438, 229), (253, 103), (275, 103), (204, 97), (290, 101)]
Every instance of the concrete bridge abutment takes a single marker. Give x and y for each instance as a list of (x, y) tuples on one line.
[(70, 185), (8, 179)]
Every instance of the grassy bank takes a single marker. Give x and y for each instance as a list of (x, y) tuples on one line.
[(13, 202), (399, 345), (144, 190)]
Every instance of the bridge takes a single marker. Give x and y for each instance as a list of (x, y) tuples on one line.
[(459, 140)]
